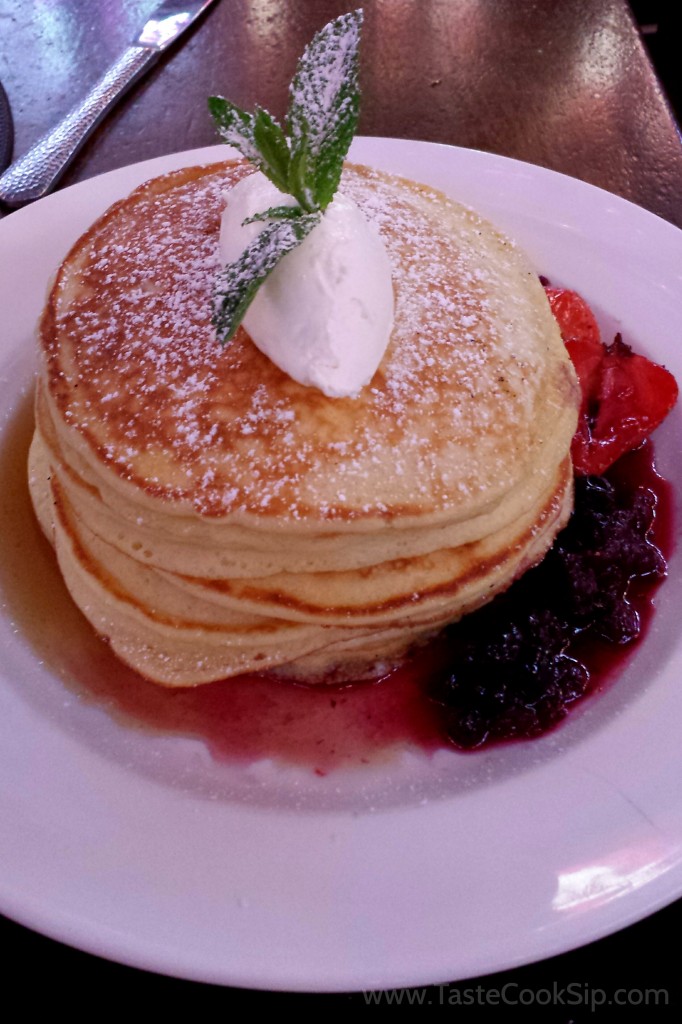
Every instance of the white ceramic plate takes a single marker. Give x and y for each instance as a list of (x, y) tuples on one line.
[(142, 848)]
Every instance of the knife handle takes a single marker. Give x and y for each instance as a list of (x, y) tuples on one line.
[(38, 171)]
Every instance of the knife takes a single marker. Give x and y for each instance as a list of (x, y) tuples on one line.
[(5, 130), (36, 173)]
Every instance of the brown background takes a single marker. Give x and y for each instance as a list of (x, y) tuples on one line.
[(562, 83)]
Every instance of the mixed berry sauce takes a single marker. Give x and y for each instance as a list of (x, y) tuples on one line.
[(515, 668)]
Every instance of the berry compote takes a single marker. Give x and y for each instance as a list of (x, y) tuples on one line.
[(514, 668)]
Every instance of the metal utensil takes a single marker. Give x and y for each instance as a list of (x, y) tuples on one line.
[(36, 173), (6, 133)]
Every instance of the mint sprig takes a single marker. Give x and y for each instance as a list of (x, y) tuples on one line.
[(257, 136), (304, 161), (241, 280), (324, 107)]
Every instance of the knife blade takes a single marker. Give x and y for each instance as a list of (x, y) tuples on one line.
[(6, 133), (38, 171)]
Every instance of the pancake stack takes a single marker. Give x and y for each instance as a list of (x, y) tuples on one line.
[(213, 517)]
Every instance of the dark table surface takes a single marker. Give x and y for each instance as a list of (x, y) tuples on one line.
[(564, 84)]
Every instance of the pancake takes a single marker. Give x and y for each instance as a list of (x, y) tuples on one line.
[(212, 517)]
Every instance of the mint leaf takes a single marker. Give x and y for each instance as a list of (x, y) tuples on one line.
[(305, 162), (300, 176), (257, 136), (273, 146), (241, 280), (324, 107), (235, 126), (276, 213)]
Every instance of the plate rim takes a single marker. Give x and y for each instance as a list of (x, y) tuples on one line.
[(657, 889)]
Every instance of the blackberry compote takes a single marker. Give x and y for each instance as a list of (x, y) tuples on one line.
[(515, 667)]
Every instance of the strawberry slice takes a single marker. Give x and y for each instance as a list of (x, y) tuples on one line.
[(624, 395), (633, 397), (580, 332)]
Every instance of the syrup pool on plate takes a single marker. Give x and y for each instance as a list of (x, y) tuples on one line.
[(246, 719)]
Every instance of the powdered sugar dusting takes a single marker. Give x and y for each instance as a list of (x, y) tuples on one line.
[(135, 365), (322, 92)]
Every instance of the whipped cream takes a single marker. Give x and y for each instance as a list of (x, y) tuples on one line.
[(325, 313)]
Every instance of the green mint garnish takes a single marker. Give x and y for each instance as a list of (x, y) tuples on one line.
[(276, 213), (241, 280), (323, 109), (303, 161), (257, 136)]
